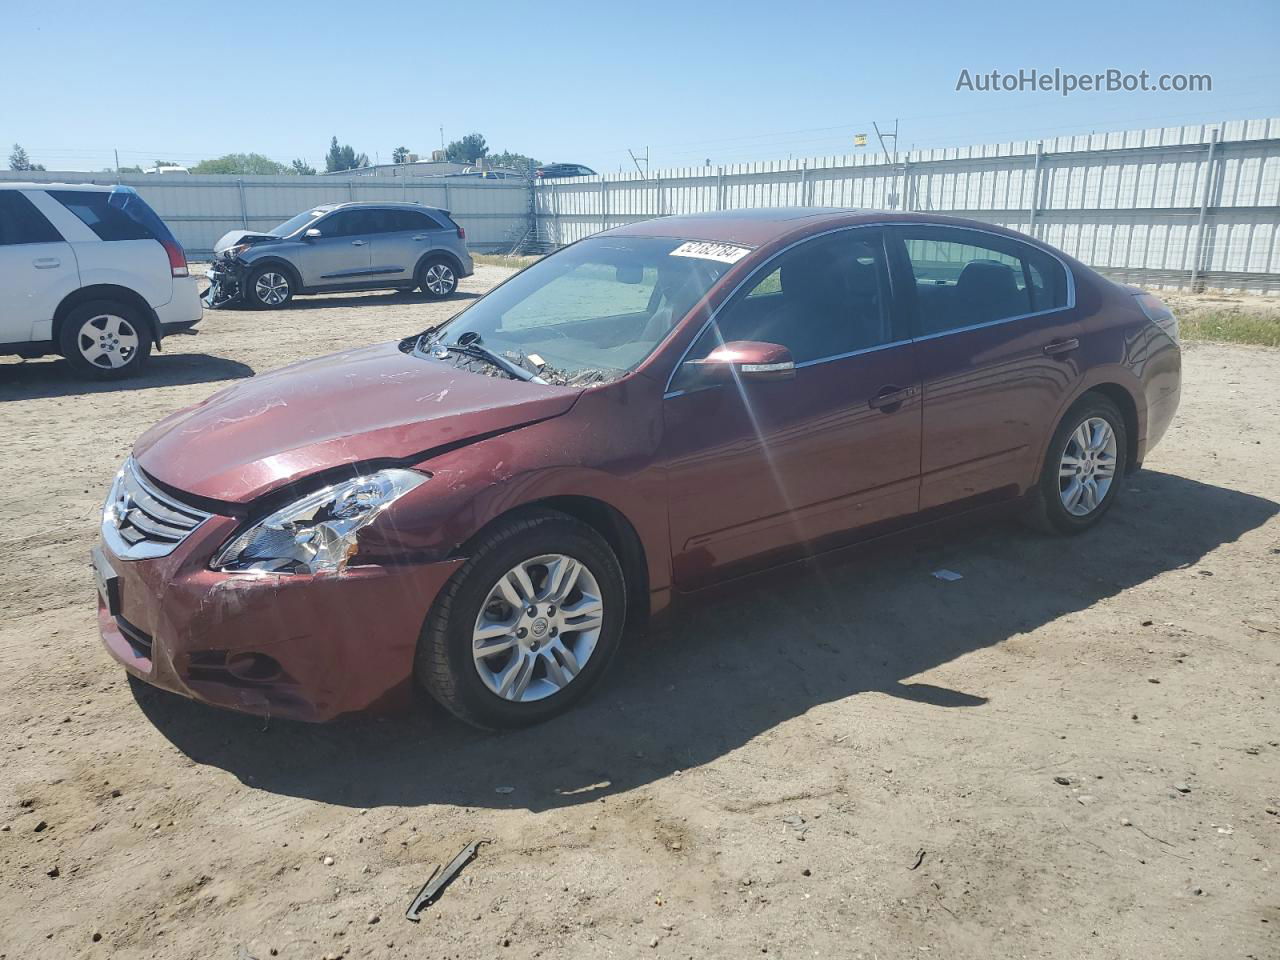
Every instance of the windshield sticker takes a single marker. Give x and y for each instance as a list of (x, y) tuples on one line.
[(702, 250)]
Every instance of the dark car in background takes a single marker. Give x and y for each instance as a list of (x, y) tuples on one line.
[(552, 171), (341, 247), (650, 412)]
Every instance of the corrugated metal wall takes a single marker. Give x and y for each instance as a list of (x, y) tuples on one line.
[(200, 209), (1170, 206)]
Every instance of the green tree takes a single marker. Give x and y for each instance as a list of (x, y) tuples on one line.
[(18, 160), (514, 161), (343, 158), (400, 155), (303, 169), (467, 150), (253, 164)]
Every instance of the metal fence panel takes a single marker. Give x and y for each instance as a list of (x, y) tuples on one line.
[(200, 209), (1165, 206)]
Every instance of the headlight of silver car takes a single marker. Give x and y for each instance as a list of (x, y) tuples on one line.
[(316, 534)]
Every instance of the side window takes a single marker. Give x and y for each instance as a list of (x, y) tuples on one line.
[(110, 221), (825, 298), (344, 223), (21, 222), (963, 278), (402, 221)]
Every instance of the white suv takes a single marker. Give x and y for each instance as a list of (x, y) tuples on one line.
[(89, 272)]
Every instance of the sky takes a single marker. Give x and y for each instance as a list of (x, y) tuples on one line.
[(725, 82)]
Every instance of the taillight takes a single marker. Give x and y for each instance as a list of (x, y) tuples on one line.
[(462, 234), (1158, 313), (177, 257)]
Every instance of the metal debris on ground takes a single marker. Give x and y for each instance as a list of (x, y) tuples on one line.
[(439, 879), (919, 859)]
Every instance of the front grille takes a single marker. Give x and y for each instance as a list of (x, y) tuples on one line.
[(139, 522)]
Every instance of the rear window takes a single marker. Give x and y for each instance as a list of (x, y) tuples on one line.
[(118, 215)]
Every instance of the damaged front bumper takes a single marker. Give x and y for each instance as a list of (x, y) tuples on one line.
[(303, 647), (226, 282)]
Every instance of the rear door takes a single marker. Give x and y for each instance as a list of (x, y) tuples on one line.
[(341, 254), (995, 331), (403, 237), (765, 472), (37, 269)]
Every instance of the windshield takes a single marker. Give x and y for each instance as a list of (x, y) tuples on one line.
[(592, 311), (295, 224)]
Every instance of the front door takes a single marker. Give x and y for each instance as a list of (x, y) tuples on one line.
[(37, 270), (764, 472), (341, 254), (996, 336)]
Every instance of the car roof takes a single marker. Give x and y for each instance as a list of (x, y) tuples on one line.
[(378, 204), (758, 226), (54, 185)]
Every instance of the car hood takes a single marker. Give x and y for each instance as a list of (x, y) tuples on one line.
[(373, 404), (233, 237)]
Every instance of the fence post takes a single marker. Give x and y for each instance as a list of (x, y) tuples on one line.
[(604, 205), (447, 205), (1198, 252), (351, 189), (804, 183), (244, 211), (720, 188), (1035, 190), (658, 181)]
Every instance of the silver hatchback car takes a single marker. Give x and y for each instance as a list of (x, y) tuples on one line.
[(340, 247)]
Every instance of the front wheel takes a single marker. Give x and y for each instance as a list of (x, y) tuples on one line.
[(437, 278), (527, 626), (1084, 467), (269, 287), (105, 339)]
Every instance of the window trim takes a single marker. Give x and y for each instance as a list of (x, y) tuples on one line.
[(896, 236)]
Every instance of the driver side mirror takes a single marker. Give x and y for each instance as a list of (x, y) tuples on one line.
[(750, 361), (312, 234)]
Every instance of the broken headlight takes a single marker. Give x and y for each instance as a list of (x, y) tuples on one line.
[(316, 534)]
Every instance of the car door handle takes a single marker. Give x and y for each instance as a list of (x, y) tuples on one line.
[(422, 236), (357, 243), (1058, 347), (46, 263), (888, 399)]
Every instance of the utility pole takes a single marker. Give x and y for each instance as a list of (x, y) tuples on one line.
[(442, 136), (117, 153), (893, 197)]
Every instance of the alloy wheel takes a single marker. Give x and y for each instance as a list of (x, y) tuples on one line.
[(272, 289), (1088, 466), (537, 628), (439, 279), (108, 341)]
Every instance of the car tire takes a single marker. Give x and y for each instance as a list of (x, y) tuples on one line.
[(1084, 468), (269, 287), (544, 665), (437, 278), (105, 339)]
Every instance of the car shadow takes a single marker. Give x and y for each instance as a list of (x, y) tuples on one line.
[(383, 297), (727, 671), (53, 377)]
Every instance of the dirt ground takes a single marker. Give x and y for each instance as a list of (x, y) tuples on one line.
[(1072, 752)]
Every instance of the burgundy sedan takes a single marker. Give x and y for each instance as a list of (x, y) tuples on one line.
[(647, 413)]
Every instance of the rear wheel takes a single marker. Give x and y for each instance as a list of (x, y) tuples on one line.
[(1084, 467), (527, 626), (269, 287), (105, 339), (437, 278)]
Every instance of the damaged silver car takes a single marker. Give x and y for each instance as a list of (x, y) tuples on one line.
[(341, 247)]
